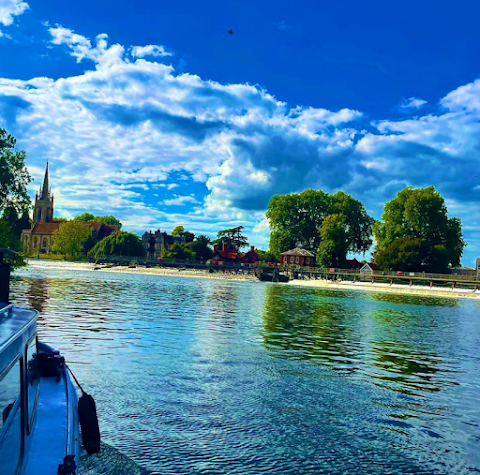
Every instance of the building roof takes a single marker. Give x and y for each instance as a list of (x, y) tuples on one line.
[(371, 265), (298, 252), (45, 228)]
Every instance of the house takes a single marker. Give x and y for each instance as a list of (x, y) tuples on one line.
[(226, 254), (353, 264), (155, 243), (250, 257), (298, 257), (370, 267), (466, 271)]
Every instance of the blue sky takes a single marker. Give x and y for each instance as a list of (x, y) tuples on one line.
[(151, 111)]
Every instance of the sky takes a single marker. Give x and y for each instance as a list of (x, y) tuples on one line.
[(153, 112)]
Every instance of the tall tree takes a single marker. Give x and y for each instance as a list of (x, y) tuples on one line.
[(232, 237), (119, 243), (14, 176), (201, 247), (297, 220), (69, 239), (417, 234)]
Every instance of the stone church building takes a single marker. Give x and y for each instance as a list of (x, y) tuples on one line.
[(38, 239)]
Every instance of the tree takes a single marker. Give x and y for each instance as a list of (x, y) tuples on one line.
[(297, 219), (201, 247), (119, 243), (70, 238), (333, 247), (417, 234), (108, 219), (267, 256), (14, 176), (180, 231), (179, 251), (233, 237)]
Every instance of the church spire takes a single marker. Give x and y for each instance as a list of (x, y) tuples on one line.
[(45, 191), (43, 212)]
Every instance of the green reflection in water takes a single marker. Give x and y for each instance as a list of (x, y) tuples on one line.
[(355, 336)]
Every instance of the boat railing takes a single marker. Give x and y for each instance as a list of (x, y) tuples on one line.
[(6, 309)]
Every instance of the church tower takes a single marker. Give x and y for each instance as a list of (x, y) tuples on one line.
[(43, 211)]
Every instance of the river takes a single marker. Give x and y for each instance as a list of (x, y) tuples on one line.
[(200, 376)]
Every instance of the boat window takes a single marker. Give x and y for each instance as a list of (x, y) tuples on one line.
[(10, 420), (33, 380)]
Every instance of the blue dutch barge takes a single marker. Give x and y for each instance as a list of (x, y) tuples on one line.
[(39, 406)]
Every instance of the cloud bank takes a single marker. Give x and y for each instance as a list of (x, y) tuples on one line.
[(130, 127)]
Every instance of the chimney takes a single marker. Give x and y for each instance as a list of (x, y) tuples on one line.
[(252, 248)]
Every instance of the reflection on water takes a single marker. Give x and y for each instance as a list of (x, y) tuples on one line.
[(203, 376)]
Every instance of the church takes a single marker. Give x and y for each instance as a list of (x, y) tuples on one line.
[(39, 239)]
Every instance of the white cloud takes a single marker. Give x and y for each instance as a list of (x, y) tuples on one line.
[(149, 50), (412, 103), (179, 200), (10, 9)]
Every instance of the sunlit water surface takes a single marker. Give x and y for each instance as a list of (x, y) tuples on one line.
[(202, 376)]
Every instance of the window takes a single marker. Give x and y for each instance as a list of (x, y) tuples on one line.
[(10, 420), (307, 260), (291, 259), (33, 380), (297, 259), (285, 259), (44, 242)]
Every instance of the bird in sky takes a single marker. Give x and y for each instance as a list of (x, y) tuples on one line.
[(230, 32)]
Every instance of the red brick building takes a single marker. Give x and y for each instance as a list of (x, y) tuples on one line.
[(226, 254), (298, 257)]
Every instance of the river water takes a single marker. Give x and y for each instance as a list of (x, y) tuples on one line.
[(202, 376)]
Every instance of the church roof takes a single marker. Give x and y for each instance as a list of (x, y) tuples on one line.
[(45, 189), (45, 228)]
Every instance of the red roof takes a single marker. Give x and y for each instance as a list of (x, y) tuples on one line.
[(45, 228)]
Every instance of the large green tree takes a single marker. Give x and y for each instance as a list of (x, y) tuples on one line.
[(233, 237), (119, 243), (201, 247), (416, 233), (69, 239), (297, 220), (333, 248), (179, 251)]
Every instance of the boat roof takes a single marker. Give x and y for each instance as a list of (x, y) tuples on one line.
[(13, 320)]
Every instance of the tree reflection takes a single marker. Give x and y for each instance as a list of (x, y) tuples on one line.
[(299, 325)]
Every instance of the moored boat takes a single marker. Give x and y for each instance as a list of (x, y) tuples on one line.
[(39, 411)]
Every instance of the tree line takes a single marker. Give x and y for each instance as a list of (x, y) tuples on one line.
[(414, 234)]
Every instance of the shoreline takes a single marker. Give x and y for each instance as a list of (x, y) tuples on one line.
[(419, 290), (203, 274)]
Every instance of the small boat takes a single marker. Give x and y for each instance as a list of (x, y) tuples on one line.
[(39, 407)]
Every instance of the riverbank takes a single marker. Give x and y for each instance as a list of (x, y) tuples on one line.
[(160, 271), (387, 288), (204, 274)]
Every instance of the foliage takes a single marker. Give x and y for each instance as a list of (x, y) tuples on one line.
[(333, 247), (119, 243), (180, 231), (179, 251), (108, 219), (14, 176), (267, 256), (296, 220), (70, 238), (201, 247), (416, 233), (233, 237)]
